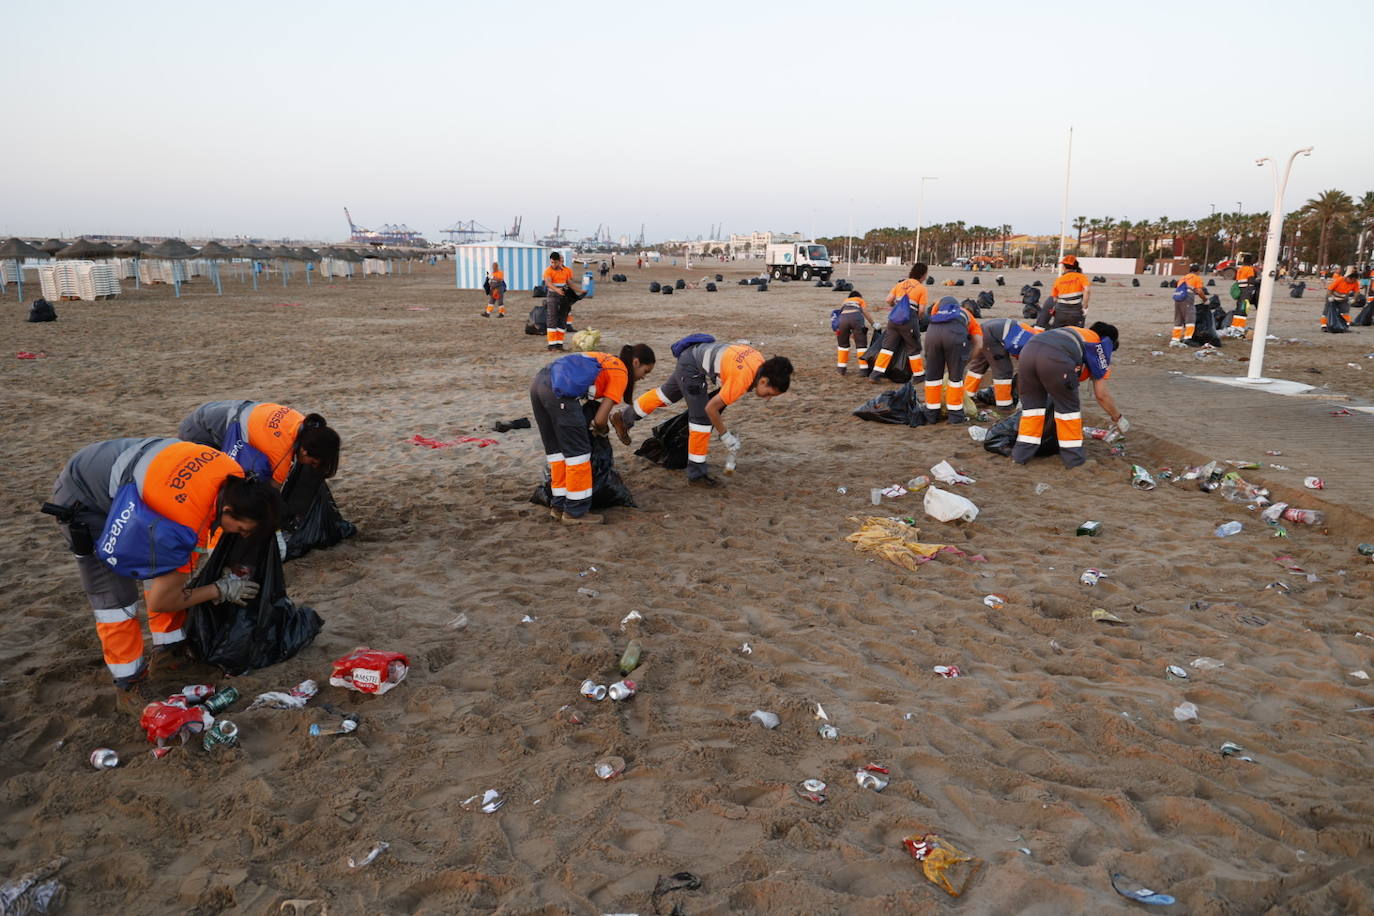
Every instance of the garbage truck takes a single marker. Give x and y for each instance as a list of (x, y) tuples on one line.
[(798, 261)]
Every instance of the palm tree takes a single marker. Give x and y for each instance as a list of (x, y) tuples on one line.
[(1144, 234), (1106, 225), (1080, 223), (1364, 225), (1329, 208)]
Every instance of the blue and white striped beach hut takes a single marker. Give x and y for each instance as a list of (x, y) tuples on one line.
[(522, 263)]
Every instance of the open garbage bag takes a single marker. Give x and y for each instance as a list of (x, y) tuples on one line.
[(899, 370), (1205, 325), (538, 322), (1336, 322), (608, 489), (1002, 435), (904, 405), (269, 629), (312, 520), (667, 445)]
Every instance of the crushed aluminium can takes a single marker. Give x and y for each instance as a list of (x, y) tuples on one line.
[(222, 700), (1314, 483), (870, 779), (1141, 479), (812, 790), (1090, 576), (621, 690), (104, 758), (197, 693), (592, 690), (947, 670), (827, 731), (222, 732)]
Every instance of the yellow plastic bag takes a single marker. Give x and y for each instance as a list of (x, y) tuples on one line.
[(586, 339), (942, 863)]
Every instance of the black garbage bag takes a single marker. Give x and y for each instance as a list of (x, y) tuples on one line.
[(312, 520), (667, 290), (538, 322), (1002, 436), (959, 282), (973, 282), (1212, 281), (710, 287), (1030, 302), (1366, 316), (655, 287), (899, 370), (1135, 281), (42, 310), (743, 283), (1001, 281), (1205, 324), (680, 284), (1295, 290), (904, 405), (763, 287), (667, 444), (1335, 319), (720, 278), (270, 629), (1037, 283), (986, 396), (973, 306), (539, 292), (1045, 314), (986, 299), (930, 281), (1164, 284), (608, 489)]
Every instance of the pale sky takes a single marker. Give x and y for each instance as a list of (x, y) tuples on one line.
[(266, 119)]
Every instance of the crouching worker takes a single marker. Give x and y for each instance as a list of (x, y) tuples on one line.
[(952, 333), (701, 363), (556, 396), (142, 509), (1003, 340), (266, 439), (1052, 365), (1185, 312), (851, 322), (906, 300)]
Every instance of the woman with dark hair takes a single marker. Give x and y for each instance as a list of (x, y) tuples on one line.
[(1070, 292), (142, 509), (701, 363), (265, 438), (852, 322), (906, 301), (556, 395)]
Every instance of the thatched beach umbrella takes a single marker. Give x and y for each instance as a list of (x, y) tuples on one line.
[(310, 257), (284, 254), (173, 250), (214, 252), (18, 249), (133, 249), (85, 249), (250, 254)]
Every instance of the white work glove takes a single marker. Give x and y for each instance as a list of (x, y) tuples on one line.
[(730, 440), (236, 589), (1123, 425)]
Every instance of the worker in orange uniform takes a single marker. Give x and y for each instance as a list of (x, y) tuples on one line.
[(496, 291), (1185, 310), (1003, 340), (952, 333), (906, 301), (1052, 365), (556, 394), (1071, 292), (851, 322), (142, 509), (1341, 292), (559, 294), (266, 439), (701, 363), (1248, 297)]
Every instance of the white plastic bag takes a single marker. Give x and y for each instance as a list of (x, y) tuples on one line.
[(945, 473), (948, 507)]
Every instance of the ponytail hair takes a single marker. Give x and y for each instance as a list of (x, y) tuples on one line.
[(628, 354), (250, 499), (320, 442), (918, 271)]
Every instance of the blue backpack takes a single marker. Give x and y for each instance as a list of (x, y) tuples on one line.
[(236, 446), (1016, 338), (835, 319), (137, 542), (901, 311), (1183, 293), (948, 309), (1097, 357), (690, 340), (574, 375)]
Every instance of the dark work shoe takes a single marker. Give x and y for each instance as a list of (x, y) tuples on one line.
[(587, 519), (621, 432), (169, 661), (132, 699), (956, 418), (707, 482)]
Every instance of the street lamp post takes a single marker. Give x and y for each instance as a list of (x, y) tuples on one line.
[(920, 214), (1269, 275), (1235, 239), (1064, 212), (1207, 254)]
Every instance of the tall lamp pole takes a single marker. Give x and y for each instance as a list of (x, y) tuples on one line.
[(920, 214), (1064, 213), (1235, 239), (1207, 254), (1269, 276)]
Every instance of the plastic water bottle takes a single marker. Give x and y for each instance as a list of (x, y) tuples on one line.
[(1228, 529), (730, 463), (1305, 516)]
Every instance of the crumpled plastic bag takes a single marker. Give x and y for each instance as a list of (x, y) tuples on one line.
[(944, 506), (893, 541), (33, 892), (586, 339), (945, 473), (942, 863)]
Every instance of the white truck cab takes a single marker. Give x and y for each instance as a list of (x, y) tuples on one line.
[(798, 261)]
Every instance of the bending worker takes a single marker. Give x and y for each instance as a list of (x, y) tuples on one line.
[(1052, 365), (906, 301), (559, 294), (701, 362), (1003, 340), (1185, 311), (141, 509), (951, 333), (266, 439), (556, 394), (1071, 292), (1341, 292), (851, 322), (1248, 295)]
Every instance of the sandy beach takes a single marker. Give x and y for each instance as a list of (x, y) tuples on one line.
[(1055, 758)]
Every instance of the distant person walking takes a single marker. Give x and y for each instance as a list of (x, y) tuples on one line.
[(496, 291), (1070, 293)]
